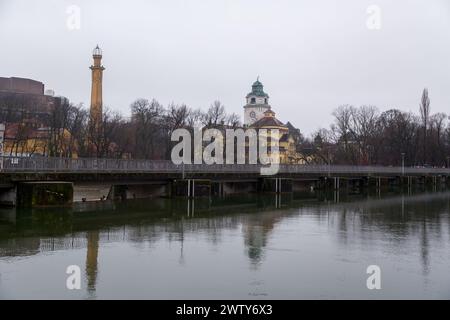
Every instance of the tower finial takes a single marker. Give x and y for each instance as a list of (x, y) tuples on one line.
[(97, 51), (257, 78)]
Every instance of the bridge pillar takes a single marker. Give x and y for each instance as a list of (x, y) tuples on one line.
[(217, 188), (191, 188), (336, 196), (383, 182), (336, 183), (221, 191), (406, 183), (404, 180), (446, 181), (8, 196), (41, 194), (276, 185)]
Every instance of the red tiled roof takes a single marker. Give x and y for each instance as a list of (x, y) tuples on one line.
[(267, 122)]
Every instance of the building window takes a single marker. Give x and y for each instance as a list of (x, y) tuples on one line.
[(253, 101), (265, 100)]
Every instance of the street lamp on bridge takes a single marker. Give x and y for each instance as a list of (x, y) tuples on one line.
[(403, 163)]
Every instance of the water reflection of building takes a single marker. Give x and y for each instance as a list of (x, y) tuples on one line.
[(256, 234), (254, 240), (92, 259), (425, 245)]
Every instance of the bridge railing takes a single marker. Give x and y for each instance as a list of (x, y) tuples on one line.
[(90, 165)]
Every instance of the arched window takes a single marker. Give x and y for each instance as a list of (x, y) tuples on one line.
[(253, 101), (265, 100)]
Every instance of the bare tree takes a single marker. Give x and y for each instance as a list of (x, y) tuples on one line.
[(78, 131), (101, 138), (147, 122), (233, 120), (398, 134), (215, 115), (343, 134), (194, 118)]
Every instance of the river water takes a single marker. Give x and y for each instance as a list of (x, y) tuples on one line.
[(301, 246)]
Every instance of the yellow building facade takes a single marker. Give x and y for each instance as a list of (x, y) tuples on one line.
[(287, 149), (25, 140), (258, 114)]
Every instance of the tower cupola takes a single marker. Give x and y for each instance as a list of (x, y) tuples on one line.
[(257, 103)]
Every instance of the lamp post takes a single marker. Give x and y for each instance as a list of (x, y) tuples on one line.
[(182, 168), (403, 163)]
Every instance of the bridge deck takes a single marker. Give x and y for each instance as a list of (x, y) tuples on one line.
[(41, 165)]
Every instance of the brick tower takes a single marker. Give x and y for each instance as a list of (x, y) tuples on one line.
[(96, 110)]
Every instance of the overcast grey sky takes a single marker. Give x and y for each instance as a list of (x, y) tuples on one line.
[(311, 55)]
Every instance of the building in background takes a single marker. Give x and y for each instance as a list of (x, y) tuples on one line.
[(287, 143), (96, 110), (257, 104), (258, 114), (29, 114), (26, 98), (21, 85)]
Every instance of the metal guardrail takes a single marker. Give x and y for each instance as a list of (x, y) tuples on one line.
[(93, 165)]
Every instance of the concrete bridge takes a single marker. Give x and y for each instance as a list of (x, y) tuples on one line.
[(45, 181)]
